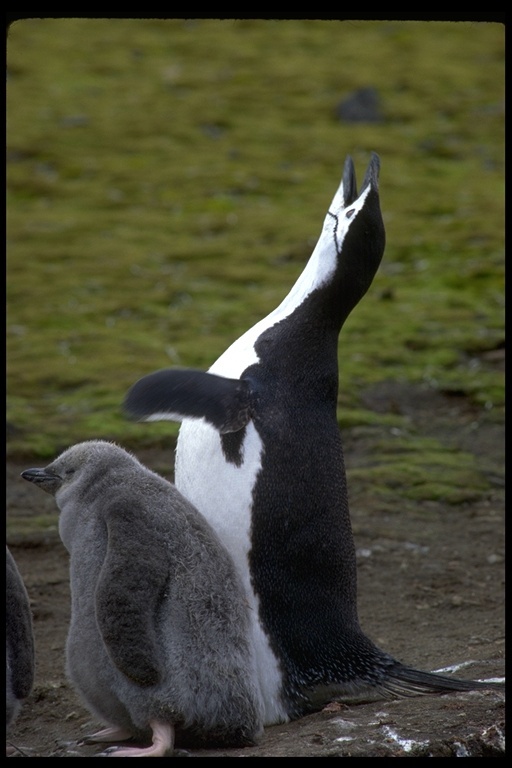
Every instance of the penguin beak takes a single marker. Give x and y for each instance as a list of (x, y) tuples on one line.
[(371, 178), (46, 480), (349, 182)]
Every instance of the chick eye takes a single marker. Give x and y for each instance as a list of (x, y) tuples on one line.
[(69, 472), (350, 213)]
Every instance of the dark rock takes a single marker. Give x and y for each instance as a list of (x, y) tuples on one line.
[(361, 106)]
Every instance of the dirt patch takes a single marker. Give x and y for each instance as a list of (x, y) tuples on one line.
[(431, 592)]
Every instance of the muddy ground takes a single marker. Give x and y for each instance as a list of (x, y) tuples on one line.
[(431, 592)]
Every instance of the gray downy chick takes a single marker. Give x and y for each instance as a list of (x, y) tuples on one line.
[(158, 643)]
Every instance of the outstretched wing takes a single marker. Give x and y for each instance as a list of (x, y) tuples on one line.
[(177, 394)]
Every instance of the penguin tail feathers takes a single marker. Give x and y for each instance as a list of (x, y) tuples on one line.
[(406, 681)]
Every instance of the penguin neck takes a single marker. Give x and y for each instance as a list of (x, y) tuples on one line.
[(321, 299), (332, 283), (306, 323)]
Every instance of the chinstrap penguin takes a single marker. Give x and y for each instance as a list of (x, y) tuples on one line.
[(19, 643), (159, 644), (259, 453)]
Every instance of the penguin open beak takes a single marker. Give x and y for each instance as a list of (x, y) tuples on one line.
[(46, 480), (371, 177)]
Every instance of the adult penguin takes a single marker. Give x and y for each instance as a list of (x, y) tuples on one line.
[(259, 453)]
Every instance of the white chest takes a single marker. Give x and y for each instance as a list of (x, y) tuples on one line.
[(223, 494)]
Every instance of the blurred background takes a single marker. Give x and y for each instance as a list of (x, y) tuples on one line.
[(167, 181)]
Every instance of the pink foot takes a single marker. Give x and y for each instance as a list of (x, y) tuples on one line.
[(163, 742)]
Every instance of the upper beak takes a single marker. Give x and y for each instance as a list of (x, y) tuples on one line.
[(47, 481), (371, 177)]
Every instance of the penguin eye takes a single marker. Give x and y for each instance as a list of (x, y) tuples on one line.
[(69, 472), (350, 213)]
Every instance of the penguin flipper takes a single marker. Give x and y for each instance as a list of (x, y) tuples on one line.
[(131, 581), (177, 394)]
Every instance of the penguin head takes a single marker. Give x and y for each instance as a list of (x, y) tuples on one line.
[(350, 206), (351, 244), (74, 464)]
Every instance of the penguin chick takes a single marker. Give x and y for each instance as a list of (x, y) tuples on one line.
[(158, 643), (19, 642)]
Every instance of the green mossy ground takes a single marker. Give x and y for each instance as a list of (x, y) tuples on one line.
[(167, 181)]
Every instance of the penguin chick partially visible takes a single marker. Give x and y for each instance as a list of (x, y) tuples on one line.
[(159, 640), (19, 642)]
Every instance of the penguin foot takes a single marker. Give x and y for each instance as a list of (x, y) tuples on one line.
[(113, 733), (162, 744)]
